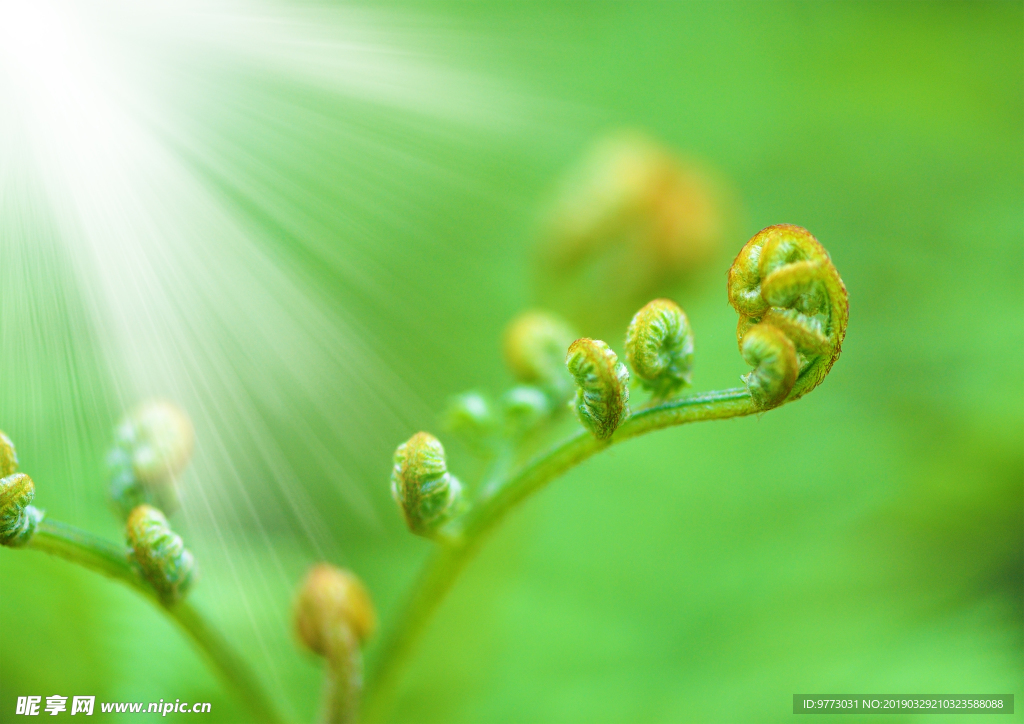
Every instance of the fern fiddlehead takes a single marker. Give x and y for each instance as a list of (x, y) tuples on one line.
[(784, 278), (18, 517), (160, 554), (422, 486), (659, 348), (602, 386)]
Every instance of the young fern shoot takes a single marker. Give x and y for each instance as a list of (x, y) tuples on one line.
[(793, 311)]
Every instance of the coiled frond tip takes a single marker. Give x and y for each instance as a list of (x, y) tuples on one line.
[(160, 554), (422, 486), (602, 386), (659, 347)]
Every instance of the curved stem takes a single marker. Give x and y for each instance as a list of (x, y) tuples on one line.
[(450, 557), (75, 545), (343, 680), (96, 554)]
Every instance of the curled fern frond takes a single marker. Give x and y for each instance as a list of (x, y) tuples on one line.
[(659, 347), (18, 517), (602, 386), (774, 359), (784, 278), (160, 554), (426, 492)]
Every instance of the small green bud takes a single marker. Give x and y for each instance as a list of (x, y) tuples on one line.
[(469, 416), (152, 446), (534, 349), (426, 492), (18, 517), (161, 554), (524, 407), (331, 598), (602, 386), (8, 456), (774, 359), (659, 347)]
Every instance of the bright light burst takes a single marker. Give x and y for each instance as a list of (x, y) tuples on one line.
[(137, 240)]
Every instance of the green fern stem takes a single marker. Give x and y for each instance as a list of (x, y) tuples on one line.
[(457, 549)]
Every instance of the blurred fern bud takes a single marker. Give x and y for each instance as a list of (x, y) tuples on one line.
[(160, 554), (534, 349), (772, 355), (630, 221), (18, 517), (426, 492), (602, 386), (524, 406), (331, 599), (659, 348), (333, 618), (152, 446), (469, 415)]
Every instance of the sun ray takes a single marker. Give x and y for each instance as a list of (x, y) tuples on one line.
[(141, 252)]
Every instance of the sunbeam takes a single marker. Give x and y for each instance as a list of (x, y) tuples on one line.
[(137, 246)]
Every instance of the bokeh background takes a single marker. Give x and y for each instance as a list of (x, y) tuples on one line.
[(309, 224)]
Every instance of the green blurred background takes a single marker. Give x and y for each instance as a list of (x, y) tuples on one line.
[(867, 539)]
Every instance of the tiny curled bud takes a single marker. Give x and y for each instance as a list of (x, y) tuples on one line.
[(160, 553), (18, 517), (773, 357), (152, 446), (534, 348), (422, 486), (331, 598), (602, 386), (659, 347), (469, 415), (784, 278)]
